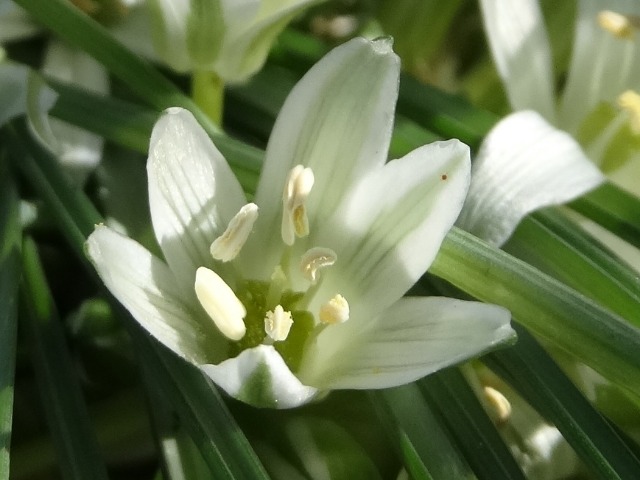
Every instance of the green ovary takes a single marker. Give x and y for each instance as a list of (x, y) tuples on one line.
[(253, 295)]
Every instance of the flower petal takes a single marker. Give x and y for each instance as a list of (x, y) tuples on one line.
[(259, 377), (193, 194), (602, 65), (252, 27), (521, 51), (414, 337), (147, 289), (523, 164), (15, 23), (337, 121), (169, 31), (78, 150), (389, 229)]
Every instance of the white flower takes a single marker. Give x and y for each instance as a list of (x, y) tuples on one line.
[(549, 158), (230, 37), (301, 291)]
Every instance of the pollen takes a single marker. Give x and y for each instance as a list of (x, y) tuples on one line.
[(619, 25), (277, 324), (630, 101), (335, 311), (315, 259), (295, 222), (228, 245), (220, 303)]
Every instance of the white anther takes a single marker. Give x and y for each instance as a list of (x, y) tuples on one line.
[(220, 303), (630, 101), (335, 310), (227, 246), (619, 25), (278, 323), (499, 404), (315, 259), (294, 215)]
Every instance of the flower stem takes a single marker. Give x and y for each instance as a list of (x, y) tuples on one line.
[(207, 91)]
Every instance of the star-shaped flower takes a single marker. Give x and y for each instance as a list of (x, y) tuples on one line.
[(301, 291)]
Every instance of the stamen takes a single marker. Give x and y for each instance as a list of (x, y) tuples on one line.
[(220, 303), (335, 311), (619, 25), (315, 259), (278, 323), (630, 101), (499, 404), (228, 245), (294, 215)]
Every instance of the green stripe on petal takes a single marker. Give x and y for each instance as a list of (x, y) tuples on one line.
[(337, 121), (524, 164), (259, 377), (389, 229), (147, 289), (193, 194), (414, 337), (521, 51)]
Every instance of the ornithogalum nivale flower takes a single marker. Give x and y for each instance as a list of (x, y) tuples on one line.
[(301, 290)]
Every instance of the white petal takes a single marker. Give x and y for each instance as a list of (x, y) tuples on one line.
[(389, 229), (602, 66), (78, 150), (169, 30), (413, 338), (15, 23), (147, 288), (523, 164), (193, 194), (251, 29), (259, 377), (15, 82), (520, 48), (337, 121)]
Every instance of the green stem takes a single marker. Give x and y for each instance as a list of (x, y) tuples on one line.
[(207, 91)]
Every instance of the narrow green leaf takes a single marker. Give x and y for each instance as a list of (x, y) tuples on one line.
[(423, 444), (614, 209), (530, 370), (544, 305), (80, 30), (474, 432), (219, 439), (130, 125), (62, 399), (10, 239), (552, 242), (40, 168)]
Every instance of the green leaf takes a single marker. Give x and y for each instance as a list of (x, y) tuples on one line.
[(614, 209), (220, 441), (130, 125), (10, 239), (544, 305), (472, 429), (419, 435), (64, 406), (529, 369), (552, 242), (83, 32)]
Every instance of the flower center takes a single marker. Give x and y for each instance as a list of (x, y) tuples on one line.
[(619, 25), (271, 312)]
